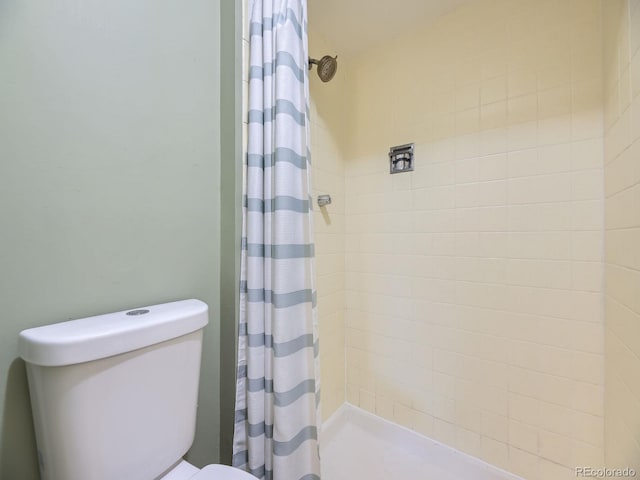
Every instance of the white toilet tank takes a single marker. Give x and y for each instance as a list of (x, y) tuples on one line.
[(114, 396)]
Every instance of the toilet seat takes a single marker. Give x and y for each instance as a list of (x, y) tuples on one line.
[(222, 472), (185, 471)]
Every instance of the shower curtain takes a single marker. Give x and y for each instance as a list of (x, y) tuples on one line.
[(277, 388)]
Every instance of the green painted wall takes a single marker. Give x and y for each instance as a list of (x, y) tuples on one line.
[(231, 219), (109, 180)]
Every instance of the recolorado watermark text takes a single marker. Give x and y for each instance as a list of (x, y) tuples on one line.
[(591, 472)]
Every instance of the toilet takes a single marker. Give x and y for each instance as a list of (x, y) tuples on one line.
[(115, 396)]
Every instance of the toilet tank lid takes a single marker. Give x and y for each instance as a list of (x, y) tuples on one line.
[(101, 336)]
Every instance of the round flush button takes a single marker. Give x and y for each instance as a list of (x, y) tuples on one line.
[(138, 312)]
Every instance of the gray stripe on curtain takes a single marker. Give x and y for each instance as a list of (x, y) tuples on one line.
[(283, 59), (280, 155), (283, 107), (257, 28), (288, 447), (280, 251), (278, 203)]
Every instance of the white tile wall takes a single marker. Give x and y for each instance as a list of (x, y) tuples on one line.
[(622, 187), (328, 146), (474, 308)]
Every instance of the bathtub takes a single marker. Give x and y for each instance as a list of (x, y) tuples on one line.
[(357, 445)]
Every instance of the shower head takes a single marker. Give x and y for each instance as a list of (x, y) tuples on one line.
[(326, 67)]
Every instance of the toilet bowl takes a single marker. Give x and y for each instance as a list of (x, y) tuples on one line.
[(115, 396)]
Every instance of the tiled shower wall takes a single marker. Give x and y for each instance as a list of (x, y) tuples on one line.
[(622, 188), (474, 305), (328, 127)]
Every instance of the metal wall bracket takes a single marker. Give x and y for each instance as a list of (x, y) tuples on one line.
[(401, 158), (324, 200)]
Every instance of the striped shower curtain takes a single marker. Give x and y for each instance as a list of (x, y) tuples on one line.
[(277, 391)]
